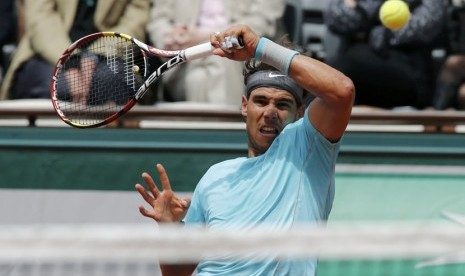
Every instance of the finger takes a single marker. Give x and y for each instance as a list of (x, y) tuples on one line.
[(234, 31), (219, 52), (151, 184), (144, 194), (249, 38), (215, 39), (165, 182), (145, 213), (186, 202)]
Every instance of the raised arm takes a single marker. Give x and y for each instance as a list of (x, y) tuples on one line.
[(331, 109)]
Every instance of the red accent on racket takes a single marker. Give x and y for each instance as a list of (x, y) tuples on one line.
[(101, 76)]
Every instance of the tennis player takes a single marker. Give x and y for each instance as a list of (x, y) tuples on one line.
[(288, 177)]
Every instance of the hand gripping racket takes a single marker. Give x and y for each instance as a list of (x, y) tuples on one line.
[(101, 76)]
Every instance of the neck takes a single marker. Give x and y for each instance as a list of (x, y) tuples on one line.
[(252, 152)]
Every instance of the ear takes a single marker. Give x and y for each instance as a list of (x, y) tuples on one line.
[(244, 106)]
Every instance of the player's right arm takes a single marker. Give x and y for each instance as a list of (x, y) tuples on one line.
[(330, 111), (335, 92)]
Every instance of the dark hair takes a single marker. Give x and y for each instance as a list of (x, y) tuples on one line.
[(252, 66)]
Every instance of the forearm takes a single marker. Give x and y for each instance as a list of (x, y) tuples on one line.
[(323, 81), (330, 111)]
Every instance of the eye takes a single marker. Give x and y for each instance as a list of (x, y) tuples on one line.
[(284, 105), (260, 101)]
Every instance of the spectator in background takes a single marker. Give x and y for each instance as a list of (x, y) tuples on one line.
[(51, 26), (389, 68), (450, 85), (177, 24), (8, 30)]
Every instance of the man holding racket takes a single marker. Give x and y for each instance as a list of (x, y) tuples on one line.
[(288, 177)]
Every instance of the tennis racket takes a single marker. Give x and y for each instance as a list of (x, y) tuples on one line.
[(102, 76)]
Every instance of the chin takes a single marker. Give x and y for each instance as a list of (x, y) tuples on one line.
[(264, 147)]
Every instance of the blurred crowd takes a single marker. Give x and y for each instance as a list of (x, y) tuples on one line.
[(420, 66)]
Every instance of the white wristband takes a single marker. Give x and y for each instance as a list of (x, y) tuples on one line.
[(274, 54)]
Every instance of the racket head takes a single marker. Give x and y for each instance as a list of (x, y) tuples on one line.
[(97, 78)]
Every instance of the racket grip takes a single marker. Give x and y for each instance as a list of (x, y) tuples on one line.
[(206, 49), (199, 51)]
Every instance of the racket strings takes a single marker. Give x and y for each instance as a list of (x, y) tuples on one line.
[(98, 79), (130, 68)]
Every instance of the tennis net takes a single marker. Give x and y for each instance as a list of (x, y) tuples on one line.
[(355, 249)]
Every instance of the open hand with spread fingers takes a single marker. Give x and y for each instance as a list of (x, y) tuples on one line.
[(166, 206)]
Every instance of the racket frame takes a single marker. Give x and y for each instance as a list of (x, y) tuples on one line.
[(175, 58)]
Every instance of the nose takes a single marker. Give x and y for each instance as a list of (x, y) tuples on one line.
[(271, 113)]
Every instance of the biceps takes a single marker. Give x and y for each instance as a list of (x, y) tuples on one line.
[(331, 122)]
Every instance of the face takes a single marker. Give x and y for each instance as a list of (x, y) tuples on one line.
[(267, 111)]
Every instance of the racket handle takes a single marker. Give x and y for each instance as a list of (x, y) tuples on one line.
[(206, 49), (198, 51)]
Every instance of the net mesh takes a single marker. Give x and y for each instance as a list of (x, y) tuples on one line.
[(349, 249)]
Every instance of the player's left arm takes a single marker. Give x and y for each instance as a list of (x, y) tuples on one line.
[(330, 111)]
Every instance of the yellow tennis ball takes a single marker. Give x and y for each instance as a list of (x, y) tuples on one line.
[(394, 14), (135, 69)]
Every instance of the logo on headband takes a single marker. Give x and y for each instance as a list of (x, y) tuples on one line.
[(274, 79), (274, 75)]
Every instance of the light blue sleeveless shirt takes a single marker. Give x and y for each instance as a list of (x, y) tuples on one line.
[(292, 183)]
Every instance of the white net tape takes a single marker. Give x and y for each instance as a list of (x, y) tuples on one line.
[(174, 244)]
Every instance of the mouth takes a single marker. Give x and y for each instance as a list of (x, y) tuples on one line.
[(269, 130)]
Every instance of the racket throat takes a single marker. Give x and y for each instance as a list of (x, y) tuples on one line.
[(150, 81)]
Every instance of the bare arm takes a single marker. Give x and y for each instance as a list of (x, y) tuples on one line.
[(177, 270), (331, 109)]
